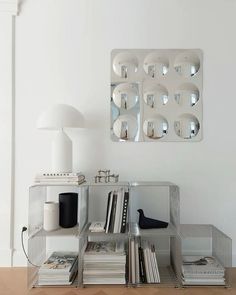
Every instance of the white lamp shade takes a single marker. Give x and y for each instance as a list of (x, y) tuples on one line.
[(60, 116)]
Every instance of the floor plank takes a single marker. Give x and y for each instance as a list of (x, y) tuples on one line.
[(13, 281)]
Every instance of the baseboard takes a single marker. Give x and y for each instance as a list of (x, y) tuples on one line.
[(5, 257)]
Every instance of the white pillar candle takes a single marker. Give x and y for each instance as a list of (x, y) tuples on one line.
[(51, 216)]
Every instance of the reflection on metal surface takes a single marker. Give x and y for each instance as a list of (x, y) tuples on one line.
[(125, 64), (155, 128), (187, 95), (187, 64), (125, 127), (156, 65), (125, 95), (155, 95), (124, 71), (187, 126)]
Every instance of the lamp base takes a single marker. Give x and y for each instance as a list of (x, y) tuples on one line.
[(61, 153)]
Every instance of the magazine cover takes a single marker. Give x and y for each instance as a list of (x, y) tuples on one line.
[(101, 247), (61, 261)]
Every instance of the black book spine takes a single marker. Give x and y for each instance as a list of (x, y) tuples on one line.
[(124, 212), (108, 202), (113, 213), (143, 275)]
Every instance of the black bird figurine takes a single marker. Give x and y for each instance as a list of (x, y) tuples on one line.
[(146, 222)]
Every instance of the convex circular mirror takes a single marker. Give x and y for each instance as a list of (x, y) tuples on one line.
[(125, 127), (125, 64), (125, 95), (187, 95), (187, 64), (156, 65), (187, 126), (154, 94), (156, 127)]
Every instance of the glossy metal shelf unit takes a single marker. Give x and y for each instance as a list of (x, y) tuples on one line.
[(159, 200)]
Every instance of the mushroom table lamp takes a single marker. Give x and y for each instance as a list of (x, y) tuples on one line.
[(58, 117)]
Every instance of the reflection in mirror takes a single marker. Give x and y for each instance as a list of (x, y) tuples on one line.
[(125, 127), (125, 95), (187, 64), (155, 95), (125, 64), (155, 64), (187, 126), (187, 95), (155, 128)]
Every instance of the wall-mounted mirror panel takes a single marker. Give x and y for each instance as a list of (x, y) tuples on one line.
[(156, 95)]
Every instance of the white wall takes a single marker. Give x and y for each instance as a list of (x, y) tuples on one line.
[(63, 55), (6, 137)]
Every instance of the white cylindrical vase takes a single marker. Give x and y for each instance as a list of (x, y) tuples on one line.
[(51, 216), (61, 153)]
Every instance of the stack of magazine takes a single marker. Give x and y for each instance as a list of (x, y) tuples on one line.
[(104, 263), (60, 178), (59, 269), (143, 267), (117, 211), (200, 270)]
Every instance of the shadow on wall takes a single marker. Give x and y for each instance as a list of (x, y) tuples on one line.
[(21, 4)]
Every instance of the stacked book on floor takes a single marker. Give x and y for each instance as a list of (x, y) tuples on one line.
[(200, 270), (59, 269), (143, 267), (60, 178), (104, 263), (117, 211)]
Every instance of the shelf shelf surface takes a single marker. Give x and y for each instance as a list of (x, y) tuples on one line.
[(151, 183), (73, 285), (103, 235), (136, 231), (167, 278), (61, 232)]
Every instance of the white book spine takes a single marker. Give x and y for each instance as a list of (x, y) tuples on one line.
[(146, 264), (109, 213), (119, 209), (157, 275), (133, 270), (71, 174), (150, 264), (137, 275)]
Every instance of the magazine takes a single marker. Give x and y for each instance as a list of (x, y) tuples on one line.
[(59, 262), (104, 248), (202, 265)]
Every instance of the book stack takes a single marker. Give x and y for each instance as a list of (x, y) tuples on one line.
[(60, 178), (117, 211), (59, 269), (199, 270), (104, 263), (143, 263)]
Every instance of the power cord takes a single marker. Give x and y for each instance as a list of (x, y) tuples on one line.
[(24, 228)]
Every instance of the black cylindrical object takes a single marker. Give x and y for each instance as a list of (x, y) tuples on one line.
[(68, 206)]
